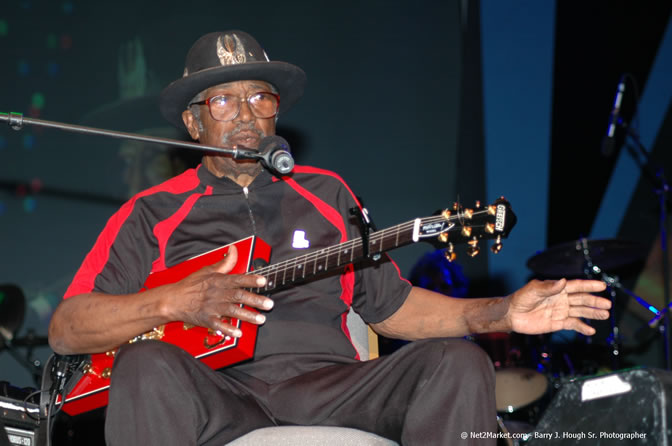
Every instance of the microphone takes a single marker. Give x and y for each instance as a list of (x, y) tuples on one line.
[(609, 140), (275, 155)]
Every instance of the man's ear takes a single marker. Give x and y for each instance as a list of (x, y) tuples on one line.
[(190, 123)]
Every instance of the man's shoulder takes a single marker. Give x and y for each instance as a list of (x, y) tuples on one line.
[(179, 184), (322, 182), (303, 173), (170, 193)]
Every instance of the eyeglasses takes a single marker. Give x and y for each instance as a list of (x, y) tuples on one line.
[(226, 107)]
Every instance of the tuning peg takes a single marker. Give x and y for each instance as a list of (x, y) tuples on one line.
[(449, 253), (466, 231), (446, 214), (497, 246), (477, 204), (443, 237), (473, 248), (468, 213)]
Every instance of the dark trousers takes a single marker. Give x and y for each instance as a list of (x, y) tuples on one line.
[(427, 393)]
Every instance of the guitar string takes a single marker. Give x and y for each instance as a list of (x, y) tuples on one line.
[(377, 237), (324, 254)]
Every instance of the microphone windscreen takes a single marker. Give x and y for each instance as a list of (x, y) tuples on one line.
[(272, 142)]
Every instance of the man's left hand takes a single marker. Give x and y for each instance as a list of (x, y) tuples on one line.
[(551, 305)]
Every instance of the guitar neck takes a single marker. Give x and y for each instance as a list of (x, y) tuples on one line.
[(464, 226), (303, 267)]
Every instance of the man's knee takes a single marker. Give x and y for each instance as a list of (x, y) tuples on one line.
[(457, 358), (455, 394), (147, 364)]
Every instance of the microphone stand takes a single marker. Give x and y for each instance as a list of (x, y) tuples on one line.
[(656, 175), (17, 121), (590, 270)]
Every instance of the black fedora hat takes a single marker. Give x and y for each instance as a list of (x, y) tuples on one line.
[(228, 56)]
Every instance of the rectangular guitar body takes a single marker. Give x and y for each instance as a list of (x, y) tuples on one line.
[(91, 391)]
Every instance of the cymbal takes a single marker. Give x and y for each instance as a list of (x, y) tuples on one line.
[(569, 259)]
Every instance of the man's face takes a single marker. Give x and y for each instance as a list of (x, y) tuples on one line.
[(245, 129)]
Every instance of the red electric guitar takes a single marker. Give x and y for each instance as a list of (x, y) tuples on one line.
[(460, 225)]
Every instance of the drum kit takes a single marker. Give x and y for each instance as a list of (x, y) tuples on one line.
[(529, 370)]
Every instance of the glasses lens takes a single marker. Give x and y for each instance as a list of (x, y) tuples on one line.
[(227, 107), (224, 107), (263, 105)]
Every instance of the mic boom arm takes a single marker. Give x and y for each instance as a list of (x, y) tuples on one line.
[(275, 159)]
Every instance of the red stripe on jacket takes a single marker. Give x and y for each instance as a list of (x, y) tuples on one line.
[(335, 218), (164, 229), (96, 259)]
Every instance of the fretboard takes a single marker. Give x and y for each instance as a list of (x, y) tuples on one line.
[(288, 272), (463, 226)]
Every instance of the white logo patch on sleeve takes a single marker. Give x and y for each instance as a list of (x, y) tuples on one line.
[(299, 241)]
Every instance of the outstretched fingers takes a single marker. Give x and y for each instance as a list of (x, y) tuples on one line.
[(589, 300), (583, 304), (576, 324), (577, 286), (588, 312), (585, 286)]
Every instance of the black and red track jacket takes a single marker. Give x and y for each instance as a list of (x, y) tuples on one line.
[(196, 212)]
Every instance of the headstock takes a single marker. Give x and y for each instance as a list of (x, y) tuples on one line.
[(467, 225)]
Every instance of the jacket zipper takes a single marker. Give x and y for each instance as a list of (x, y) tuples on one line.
[(249, 210)]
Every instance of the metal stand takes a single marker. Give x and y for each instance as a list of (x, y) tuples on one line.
[(613, 284), (33, 366), (17, 121), (276, 159), (591, 270), (656, 175)]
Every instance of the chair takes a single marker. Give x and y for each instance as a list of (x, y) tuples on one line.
[(365, 342)]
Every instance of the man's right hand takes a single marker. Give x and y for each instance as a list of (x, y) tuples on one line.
[(211, 294)]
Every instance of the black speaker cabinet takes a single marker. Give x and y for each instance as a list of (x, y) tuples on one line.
[(20, 423), (628, 407)]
